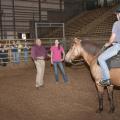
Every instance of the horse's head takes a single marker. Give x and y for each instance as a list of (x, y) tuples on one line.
[(74, 51)]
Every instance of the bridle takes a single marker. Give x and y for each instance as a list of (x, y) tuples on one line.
[(79, 61)]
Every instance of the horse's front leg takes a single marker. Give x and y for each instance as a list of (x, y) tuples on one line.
[(110, 95), (100, 98)]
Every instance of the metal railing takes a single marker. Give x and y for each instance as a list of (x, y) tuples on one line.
[(8, 56)]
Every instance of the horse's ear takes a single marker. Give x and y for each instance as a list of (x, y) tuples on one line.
[(80, 41), (75, 39)]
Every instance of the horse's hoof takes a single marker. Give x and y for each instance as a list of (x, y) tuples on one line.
[(99, 110), (112, 110)]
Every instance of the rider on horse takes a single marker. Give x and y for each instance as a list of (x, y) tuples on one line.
[(113, 47)]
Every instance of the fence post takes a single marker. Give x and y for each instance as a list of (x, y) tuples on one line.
[(64, 44)]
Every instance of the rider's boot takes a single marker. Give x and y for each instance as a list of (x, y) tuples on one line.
[(105, 82)]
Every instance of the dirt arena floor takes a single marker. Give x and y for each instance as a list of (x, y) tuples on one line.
[(20, 100)]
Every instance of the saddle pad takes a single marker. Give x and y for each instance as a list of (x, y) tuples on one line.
[(114, 62)]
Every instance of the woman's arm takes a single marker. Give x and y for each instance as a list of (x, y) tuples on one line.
[(63, 57)]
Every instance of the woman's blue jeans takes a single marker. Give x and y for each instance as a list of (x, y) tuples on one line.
[(60, 65), (110, 52)]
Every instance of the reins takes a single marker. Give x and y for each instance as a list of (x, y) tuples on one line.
[(79, 62), (102, 50)]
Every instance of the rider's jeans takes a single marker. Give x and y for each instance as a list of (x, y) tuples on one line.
[(110, 52)]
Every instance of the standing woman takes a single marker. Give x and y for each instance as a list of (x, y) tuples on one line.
[(38, 53), (57, 56)]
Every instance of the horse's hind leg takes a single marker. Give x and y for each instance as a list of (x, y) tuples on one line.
[(110, 96), (100, 98)]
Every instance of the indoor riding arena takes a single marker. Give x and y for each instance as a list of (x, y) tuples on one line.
[(22, 22)]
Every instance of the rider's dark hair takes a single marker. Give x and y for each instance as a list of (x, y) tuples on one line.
[(117, 10)]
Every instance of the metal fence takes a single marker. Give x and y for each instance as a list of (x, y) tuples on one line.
[(7, 55)]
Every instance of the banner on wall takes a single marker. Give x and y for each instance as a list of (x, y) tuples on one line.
[(23, 36)]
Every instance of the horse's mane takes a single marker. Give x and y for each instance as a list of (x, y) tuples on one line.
[(91, 48)]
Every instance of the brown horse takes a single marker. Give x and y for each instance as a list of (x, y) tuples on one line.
[(89, 52)]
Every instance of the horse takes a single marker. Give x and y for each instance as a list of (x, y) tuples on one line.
[(90, 52)]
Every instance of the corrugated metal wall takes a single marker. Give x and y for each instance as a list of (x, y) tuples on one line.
[(18, 16)]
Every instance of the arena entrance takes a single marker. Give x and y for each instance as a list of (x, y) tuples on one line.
[(48, 32)]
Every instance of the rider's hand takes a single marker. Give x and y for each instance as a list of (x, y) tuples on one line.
[(107, 44)]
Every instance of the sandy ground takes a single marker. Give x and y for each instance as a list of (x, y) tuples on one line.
[(20, 100)]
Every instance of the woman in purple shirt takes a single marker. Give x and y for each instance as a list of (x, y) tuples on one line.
[(38, 54)]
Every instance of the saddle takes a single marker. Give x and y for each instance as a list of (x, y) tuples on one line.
[(114, 62)]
